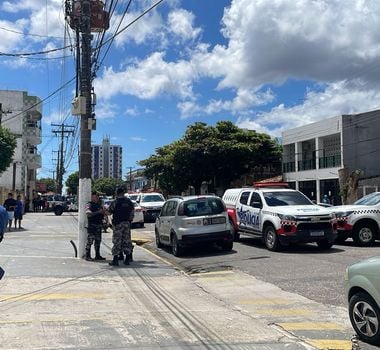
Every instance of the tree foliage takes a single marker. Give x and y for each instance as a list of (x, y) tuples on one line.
[(50, 184), (107, 185), (206, 153), (72, 183), (8, 145)]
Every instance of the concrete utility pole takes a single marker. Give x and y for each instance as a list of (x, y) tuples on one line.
[(63, 130), (85, 131), (85, 16)]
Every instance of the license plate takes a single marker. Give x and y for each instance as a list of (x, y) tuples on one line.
[(218, 220), (317, 233)]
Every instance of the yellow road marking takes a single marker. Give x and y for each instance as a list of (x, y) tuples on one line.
[(284, 312), (52, 296), (54, 320), (330, 344), (297, 326), (277, 301)]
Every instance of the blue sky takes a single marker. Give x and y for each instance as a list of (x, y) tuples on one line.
[(266, 65)]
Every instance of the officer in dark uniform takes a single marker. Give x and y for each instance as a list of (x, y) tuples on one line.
[(123, 211), (95, 213)]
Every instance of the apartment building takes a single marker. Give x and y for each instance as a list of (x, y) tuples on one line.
[(22, 116), (106, 160), (314, 153)]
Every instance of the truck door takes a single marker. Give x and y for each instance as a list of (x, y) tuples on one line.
[(254, 217), (242, 210)]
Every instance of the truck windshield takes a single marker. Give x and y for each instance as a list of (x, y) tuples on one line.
[(276, 199)]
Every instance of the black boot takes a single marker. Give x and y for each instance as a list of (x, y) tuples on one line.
[(88, 255), (121, 256), (115, 261), (127, 259), (98, 256)]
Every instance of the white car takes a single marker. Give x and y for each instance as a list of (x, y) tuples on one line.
[(361, 220), (185, 221), (151, 204)]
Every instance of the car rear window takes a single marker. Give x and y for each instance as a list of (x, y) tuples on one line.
[(203, 206), (152, 198)]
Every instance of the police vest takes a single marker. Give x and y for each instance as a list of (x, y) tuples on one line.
[(96, 219), (121, 209)]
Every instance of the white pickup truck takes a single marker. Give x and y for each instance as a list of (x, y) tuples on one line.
[(279, 216)]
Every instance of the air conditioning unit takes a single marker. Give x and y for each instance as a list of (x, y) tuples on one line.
[(78, 105)]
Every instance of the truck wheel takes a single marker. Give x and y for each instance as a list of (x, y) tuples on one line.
[(234, 232), (271, 239), (325, 244), (364, 234), (58, 210)]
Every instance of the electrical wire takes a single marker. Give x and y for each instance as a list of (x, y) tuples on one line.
[(30, 34), (35, 53)]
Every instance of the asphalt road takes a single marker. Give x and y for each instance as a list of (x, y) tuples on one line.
[(302, 269)]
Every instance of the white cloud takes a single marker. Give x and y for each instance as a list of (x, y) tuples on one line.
[(270, 41), (132, 111), (149, 79), (181, 23), (106, 110), (138, 139), (244, 100), (338, 98)]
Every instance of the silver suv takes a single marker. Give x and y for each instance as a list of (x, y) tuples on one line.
[(186, 221)]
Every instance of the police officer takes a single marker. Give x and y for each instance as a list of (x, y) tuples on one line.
[(95, 213), (123, 211)]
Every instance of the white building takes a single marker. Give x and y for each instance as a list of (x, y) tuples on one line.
[(22, 116), (106, 160), (313, 154)]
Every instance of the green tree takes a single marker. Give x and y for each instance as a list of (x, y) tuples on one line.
[(8, 145), (108, 185), (72, 183), (50, 184), (219, 153)]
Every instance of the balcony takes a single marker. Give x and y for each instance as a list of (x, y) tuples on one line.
[(330, 161), (289, 167), (307, 164), (33, 160), (32, 133), (33, 114)]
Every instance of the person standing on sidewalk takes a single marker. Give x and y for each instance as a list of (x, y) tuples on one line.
[(95, 213), (122, 210), (19, 212), (3, 221), (10, 206)]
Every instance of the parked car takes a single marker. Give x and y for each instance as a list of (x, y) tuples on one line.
[(151, 204), (186, 221), (361, 220), (363, 294)]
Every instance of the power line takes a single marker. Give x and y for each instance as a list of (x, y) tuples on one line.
[(30, 34), (35, 53)]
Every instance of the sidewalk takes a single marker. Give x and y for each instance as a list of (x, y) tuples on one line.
[(51, 300)]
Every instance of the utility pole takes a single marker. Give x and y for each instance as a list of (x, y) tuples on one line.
[(63, 130), (83, 17)]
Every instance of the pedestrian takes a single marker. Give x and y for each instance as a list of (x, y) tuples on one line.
[(3, 221), (95, 213), (122, 210), (326, 199), (10, 206), (19, 212)]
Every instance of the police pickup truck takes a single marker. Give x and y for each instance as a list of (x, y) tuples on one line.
[(360, 220), (279, 216)]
